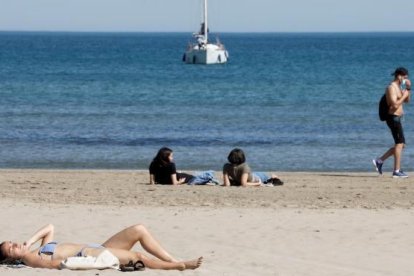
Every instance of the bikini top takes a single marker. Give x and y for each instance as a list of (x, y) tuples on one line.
[(48, 249)]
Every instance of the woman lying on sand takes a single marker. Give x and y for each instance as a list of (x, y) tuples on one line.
[(238, 173), (50, 254)]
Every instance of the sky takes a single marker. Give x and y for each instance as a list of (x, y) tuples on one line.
[(224, 15)]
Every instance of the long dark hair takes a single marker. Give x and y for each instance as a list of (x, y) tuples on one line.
[(2, 257), (236, 157), (161, 158)]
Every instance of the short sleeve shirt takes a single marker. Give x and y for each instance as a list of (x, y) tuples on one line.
[(235, 173), (162, 174)]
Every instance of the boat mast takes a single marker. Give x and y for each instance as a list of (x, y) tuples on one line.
[(205, 21)]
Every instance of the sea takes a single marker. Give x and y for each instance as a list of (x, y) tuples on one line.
[(292, 101)]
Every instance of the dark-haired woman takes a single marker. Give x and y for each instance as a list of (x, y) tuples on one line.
[(238, 173), (162, 169), (50, 254)]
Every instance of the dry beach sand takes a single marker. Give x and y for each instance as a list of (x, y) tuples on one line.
[(316, 224)]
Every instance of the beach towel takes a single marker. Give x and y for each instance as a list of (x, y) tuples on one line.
[(14, 264), (104, 260)]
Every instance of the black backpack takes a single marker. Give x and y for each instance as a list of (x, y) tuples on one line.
[(383, 108)]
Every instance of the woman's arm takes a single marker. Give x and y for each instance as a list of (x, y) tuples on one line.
[(244, 182), (33, 260), (226, 180), (175, 181), (45, 234)]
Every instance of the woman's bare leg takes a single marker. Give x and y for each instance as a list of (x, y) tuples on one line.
[(125, 256), (158, 264), (126, 239)]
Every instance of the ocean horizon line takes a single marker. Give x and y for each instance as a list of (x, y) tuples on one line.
[(192, 31)]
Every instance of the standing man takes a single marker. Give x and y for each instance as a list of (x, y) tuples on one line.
[(397, 93)]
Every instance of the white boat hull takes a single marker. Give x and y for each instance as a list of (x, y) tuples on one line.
[(212, 54), (203, 52)]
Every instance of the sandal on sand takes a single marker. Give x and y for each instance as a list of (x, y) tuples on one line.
[(138, 266), (275, 181)]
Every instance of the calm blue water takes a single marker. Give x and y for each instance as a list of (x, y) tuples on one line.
[(294, 102)]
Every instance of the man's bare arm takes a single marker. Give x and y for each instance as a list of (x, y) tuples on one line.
[(392, 99)]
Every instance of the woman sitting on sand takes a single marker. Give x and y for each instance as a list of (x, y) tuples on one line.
[(162, 169), (50, 254), (238, 173)]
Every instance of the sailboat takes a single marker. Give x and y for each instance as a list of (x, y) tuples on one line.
[(204, 52)]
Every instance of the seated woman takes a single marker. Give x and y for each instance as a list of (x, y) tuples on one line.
[(50, 254), (238, 173), (162, 169)]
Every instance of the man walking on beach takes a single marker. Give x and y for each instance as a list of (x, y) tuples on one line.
[(397, 93)]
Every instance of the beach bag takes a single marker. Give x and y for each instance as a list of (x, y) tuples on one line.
[(383, 108), (104, 260)]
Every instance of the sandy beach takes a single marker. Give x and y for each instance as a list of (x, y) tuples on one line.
[(316, 224)]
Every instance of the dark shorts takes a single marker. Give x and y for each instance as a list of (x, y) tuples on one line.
[(186, 176), (394, 123)]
